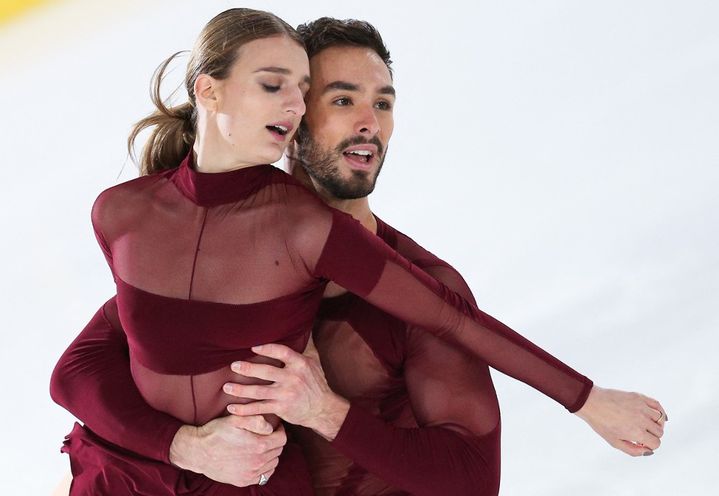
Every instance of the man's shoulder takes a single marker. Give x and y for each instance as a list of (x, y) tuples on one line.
[(408, 247), (422, 258)]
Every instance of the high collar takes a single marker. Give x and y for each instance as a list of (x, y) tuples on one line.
[(215, 188)]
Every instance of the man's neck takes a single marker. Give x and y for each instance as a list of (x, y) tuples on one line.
[(358, 208)]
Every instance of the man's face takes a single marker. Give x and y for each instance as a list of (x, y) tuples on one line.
[(344, 135)]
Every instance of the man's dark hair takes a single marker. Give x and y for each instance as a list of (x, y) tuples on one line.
[(327, 32)]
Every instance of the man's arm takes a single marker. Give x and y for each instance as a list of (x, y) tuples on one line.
[(455, 449), (92, 380), (428, 460)]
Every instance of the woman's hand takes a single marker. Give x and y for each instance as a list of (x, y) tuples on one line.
[(631, 422)]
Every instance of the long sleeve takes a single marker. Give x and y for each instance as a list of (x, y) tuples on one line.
[(360, 262), (455, 448), (92, 380)]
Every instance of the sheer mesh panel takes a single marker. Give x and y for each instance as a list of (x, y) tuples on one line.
[(437, 402), (406, 292), (199, 284), (209, 265)]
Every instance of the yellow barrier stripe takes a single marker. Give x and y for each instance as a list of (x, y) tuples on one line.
[(10, 9)]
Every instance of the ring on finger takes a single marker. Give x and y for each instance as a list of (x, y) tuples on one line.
[(263, 479), (661, 416)]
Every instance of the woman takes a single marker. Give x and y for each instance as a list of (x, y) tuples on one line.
[(217, 262)]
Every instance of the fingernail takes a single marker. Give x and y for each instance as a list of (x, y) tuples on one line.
[(666, 417), (227, 388), (257, 348), (235, 366), (231, 408), (648, 453)]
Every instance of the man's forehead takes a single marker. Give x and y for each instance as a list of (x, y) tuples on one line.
[(360, 66)]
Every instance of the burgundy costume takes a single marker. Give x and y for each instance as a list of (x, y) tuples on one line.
[(208, 265)]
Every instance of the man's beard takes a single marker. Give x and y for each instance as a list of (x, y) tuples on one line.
[(321, 165)]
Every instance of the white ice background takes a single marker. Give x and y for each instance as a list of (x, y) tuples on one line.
[(561, 154)]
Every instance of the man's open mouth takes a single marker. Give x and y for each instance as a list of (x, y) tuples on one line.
[(363, 155)]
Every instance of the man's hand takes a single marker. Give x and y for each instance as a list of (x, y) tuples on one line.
[(234, 450), (631, 422), (298, 394)]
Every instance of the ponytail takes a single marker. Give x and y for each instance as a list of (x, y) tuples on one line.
[(173, 133)]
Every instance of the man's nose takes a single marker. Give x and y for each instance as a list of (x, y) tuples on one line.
[(367, 123)]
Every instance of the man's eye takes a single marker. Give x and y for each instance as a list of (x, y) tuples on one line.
[(342, 102), (271, 89), (383, 105)]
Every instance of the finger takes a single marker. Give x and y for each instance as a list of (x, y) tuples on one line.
[(254, 423), (654, 404), (655, 428), (634, 449), (278, 438), (267, 473), (259, 371), (656, 416), (277, 351), (269, 467), (254, 408), (273, 454), (649, 440), (250, 391)]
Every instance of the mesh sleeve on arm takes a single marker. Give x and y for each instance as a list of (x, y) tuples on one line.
[(360, 262), (455, 449)]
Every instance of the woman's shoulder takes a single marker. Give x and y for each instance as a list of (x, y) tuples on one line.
[(133, 187), (128, 194)]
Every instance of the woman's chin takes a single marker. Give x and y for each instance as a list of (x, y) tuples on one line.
[(272, 157)]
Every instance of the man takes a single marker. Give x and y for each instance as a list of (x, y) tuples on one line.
[(390, 409)]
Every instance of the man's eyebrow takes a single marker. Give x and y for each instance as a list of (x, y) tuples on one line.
[(344, 85), (340, 85), (388, 90), (281, 70)]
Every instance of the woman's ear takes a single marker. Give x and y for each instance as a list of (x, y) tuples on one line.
[(206, 91)]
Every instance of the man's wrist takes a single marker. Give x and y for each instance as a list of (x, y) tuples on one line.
[(182, 446), (330, 421)]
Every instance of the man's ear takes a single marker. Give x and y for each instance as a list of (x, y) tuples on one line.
[(206, 91)]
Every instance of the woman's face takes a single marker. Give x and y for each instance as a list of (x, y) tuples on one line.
[(259, 106)]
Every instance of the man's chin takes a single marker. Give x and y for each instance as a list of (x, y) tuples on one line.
[(353, 189)]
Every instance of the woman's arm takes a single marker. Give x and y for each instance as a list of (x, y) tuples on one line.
[(360, 262)]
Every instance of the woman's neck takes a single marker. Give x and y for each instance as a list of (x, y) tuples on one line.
[(212, 155)]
